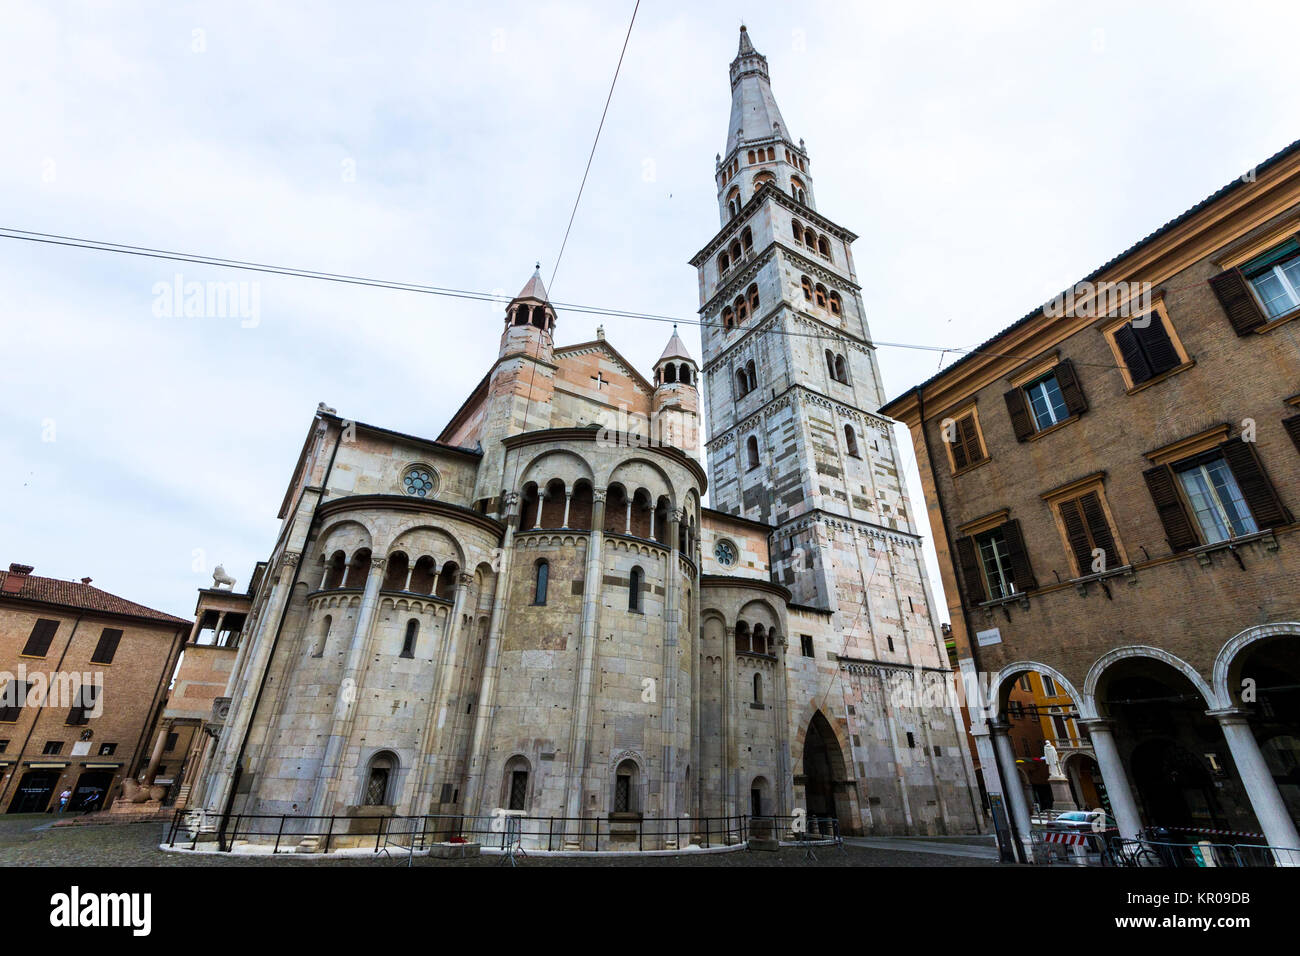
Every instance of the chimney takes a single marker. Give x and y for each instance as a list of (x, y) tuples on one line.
[(86, 580), (16, 578)]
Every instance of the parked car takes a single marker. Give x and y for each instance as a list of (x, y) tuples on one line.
[(1091, 821)]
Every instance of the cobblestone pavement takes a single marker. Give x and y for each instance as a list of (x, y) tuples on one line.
[(30, 840)]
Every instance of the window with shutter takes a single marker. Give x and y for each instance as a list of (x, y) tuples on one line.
[(1274, 277), (1019, 556), (968, 561), (1088, 531), (38, 644), (1146, 348), (961, 435), (1292, 426), (1169, 507), (1238, 301), (107, 646), (85, 701), (1046, 401), (13, 699), (1256, 490)]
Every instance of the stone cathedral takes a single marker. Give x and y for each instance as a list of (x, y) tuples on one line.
[(534, 610)]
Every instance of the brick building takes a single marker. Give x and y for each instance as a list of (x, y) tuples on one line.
[(1112, 483), (85, 675)]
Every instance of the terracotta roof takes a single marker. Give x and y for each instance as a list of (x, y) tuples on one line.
[(534, 288), (74, 594)]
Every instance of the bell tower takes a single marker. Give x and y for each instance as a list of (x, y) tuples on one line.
[(792, 386)]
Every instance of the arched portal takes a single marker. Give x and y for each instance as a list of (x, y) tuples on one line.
[(826, 783)]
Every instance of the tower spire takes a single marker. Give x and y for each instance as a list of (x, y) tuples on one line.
[(754, 113)]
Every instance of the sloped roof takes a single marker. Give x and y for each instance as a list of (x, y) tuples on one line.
[(534, 288), (676, 349), (74, 594)]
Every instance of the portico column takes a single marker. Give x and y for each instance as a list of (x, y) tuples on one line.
[(1113, 774), (1270, 810), (348, 690), (627, 524), (1012, 788), (541, 497), (568, 499), (216, 631)]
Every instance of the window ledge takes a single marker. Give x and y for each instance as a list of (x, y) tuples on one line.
[(1081, 583), (1264, 537), (1157, 379), (1020, 597), (1051, 428), (1283, 319), (971, 467)]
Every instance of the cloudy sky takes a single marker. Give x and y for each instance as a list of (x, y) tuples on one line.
[(988, 154)]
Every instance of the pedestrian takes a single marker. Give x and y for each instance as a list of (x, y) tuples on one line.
[(89, 803), (64, 797)]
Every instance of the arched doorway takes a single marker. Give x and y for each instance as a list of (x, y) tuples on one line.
[(1177, 758), (826, 783), (34, 792)]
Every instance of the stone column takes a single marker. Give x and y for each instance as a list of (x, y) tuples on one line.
[(783, 787), (434, 742), (668, 712), (1257, 780), (156, 757), (1113, 774), (410, 570), (568, 500), (1012, 787), (578, 736), (541, 500), (348, 691), (476, 778)]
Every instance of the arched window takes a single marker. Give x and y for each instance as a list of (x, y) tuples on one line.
[(408, 643), (541, 577), (751, 445), (742, 637), (771, 154), (752, 158), (747, 239), (634, 583), (515, 783), (807, 287), (742, 309), (724, 263), (851, 441), (324, 636), (379, 779), (735, 250), (823, 246), (762, 179), (670, 373), (797, 228), (758, 688), (728, 318), (810, 239), (841, 371), (742, 383), (752, 294), (625, 787), (760, 639), (820, 295), (837, 307), (686, 374), (830, 363), (334, 571), (751, 377)]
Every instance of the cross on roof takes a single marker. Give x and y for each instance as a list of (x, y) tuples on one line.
[(599, 380)]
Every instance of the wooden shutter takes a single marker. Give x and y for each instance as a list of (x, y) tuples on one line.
[(1071, 391), (1076, 532), (969, 563), (1094, 515), (1292, 426), (1238, 301), (1138, 368), (1160, 351), (970, 438), (1021, 572), (107, 646), (1261, 497), (1021, 423), (38, 645), (1179, 532), (957, 444)]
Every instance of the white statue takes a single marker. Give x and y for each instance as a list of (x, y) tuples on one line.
[(220, 577), (1053, 761)]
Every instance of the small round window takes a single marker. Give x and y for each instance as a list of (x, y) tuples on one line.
[(420, 481), (725, 552)]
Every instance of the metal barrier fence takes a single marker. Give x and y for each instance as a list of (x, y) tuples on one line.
[(1090, 848), (288, 833)]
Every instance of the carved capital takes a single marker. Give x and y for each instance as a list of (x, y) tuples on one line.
[(289, 559)]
